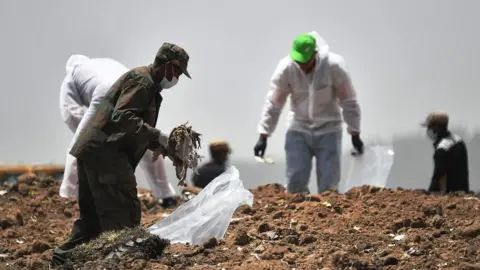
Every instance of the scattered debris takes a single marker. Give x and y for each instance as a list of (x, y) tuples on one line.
[(182, 147), (399, 237)]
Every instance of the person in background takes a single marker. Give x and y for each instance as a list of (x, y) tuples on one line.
[(112, 143), (85, 85), (450, 156), (219, 156), (320, 91)]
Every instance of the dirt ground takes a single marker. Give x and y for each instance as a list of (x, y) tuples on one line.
[(367, 228)]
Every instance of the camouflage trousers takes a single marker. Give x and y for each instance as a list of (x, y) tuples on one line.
[(108, 201)]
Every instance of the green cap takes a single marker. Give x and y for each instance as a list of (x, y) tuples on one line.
[(303, 48)]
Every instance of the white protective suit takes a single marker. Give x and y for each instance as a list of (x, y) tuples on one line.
[(310, 109), (85, 84), (317, 101)]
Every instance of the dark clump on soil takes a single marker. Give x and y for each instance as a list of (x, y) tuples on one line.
[(111, 248), (366, 228)]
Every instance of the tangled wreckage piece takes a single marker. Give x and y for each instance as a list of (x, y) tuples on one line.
[(182, 147), (116, 245)]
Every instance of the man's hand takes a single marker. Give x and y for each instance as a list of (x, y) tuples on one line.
[(163, 139), (260, 146), (161, 150), (357, 144)]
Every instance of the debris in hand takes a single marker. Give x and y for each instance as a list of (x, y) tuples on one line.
[(182, 147)]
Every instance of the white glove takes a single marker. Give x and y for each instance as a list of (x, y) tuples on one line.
[(163, 139)]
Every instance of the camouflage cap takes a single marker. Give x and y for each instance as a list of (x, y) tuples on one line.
[(176, 54), (436, 118)]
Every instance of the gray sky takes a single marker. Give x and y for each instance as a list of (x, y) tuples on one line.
[(405, 58)]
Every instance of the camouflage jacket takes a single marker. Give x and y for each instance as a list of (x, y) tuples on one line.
[(123, 127)]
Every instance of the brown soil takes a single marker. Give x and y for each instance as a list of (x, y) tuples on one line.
[(367, 228)]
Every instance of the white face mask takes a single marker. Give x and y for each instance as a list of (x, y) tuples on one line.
[(165, 84), (431, 135)]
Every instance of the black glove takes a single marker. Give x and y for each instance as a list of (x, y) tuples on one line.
[(260, 146), (357, 144)]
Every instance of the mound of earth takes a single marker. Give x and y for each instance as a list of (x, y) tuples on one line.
[(366, 228)]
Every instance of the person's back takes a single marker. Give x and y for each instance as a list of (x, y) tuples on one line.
[(456, 165), (219, 152), (96, 76), (206, 173), (85, 83)]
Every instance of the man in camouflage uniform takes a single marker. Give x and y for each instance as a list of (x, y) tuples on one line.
[(110, 147)]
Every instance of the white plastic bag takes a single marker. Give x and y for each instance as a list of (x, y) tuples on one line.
[(208, 214), (372, 168)]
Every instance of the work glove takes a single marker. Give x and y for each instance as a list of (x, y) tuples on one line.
[(357, 145), (162, 149), (260, 146), (163, 139)]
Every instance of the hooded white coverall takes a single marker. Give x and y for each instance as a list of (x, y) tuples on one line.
[(85, 84), (317, 102)]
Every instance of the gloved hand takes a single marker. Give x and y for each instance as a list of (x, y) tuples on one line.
[(357, 144), (260, 146), (163, 138), (161, 150)]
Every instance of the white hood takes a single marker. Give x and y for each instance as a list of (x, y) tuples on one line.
[(74, 61), (322, 46)]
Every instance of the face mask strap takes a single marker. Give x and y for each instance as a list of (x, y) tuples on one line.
[(172, 66)]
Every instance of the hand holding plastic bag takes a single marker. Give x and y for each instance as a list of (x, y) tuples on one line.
[(372, 168), (208, 214)]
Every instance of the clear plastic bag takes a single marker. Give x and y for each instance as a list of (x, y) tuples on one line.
[(208, 214), (372, 168)]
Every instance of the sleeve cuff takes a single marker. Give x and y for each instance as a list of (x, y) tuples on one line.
[(262, 130)]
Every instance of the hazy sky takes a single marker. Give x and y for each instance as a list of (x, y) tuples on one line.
[(405, 58)]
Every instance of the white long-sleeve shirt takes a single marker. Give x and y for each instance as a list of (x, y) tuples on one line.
[(86, 82), (318, 100)]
